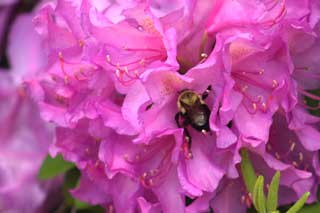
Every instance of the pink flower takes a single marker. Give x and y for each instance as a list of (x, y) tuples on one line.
[(113, 82), (23, 147), (24, 137)]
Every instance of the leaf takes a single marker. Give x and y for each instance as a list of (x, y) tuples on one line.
[(81, 205), (272, 200), (299, 204), (51, 167), (259, 199), (71, 180), (310, 208), (248, 173), (92, 209)]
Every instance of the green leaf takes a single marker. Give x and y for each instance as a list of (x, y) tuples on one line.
[(299, 204), (272, 199), (311, 208), (259, 199), (71, 180), (81, 205), (92, 209), (248, 173), (51, 167)]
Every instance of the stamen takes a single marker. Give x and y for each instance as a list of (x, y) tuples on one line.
[(300, 156), (127, 69), (295, 164), (280, 15), (309, 95), (275, 83), (108, 58), (81, 43), (244, 88), (204, 55), (254, 106), (66, 77), (293, 145)]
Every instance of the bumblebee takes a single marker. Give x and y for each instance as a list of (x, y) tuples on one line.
[(193, 111)]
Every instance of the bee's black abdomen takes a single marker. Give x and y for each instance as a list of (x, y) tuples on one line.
[(200, 118)]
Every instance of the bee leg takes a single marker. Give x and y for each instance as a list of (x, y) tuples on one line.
[(177, 119), (187, 144), (205, 132), (186, 122), (206, 92)]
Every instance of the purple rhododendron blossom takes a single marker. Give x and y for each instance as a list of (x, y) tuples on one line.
[(112, 82)]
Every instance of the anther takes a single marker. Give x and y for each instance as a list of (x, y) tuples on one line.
[(60, 55), (81, 43), (190, 155), (277, 155), (118, 73), (300, 156), (142, 61), (243, 199), (295, 164), (269, 148), (151, 182), (254, 106), (293, 145), (108, 58), (204, 55), (261, 71), (144, 175), (126, 69), (244, 88), (274, 83)]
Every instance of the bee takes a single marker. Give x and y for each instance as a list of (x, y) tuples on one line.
[(193, 111)]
